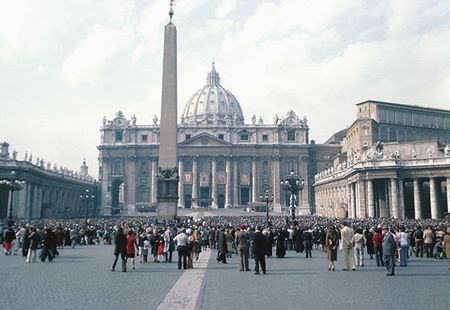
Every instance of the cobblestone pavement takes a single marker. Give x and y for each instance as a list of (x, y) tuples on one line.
[(80, 279), (296, 282)]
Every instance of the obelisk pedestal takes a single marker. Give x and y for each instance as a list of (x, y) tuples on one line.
[(167, 192)]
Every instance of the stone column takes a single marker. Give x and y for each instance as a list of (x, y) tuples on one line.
[(235, 182), (181, 183), (131, 180), (448, 194), (254, 179), (228, 185), (401, 199), (352, 201), (194, 183), (276, 185), (214, 182), (433, 198), (153, 190), (370, 201), (349, 200), (394, 200), (417, 200)]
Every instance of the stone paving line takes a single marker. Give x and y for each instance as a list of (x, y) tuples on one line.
[(185, 292)]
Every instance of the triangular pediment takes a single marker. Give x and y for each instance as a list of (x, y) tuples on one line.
[(204, 139)]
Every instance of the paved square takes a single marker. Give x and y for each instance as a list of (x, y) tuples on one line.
[(81, 279)]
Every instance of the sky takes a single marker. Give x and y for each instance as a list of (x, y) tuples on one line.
[(66, 64)]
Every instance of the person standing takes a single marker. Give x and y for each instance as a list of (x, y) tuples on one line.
[(418, 238), (7, 241), (359, 242), (403, 240), (280, 241), (331, 240), (446, 244), (260, 250), (428, 241), (182, 241), (378, 248), (168, 245), (34, 243), (242, 246), (389, 249), (308, 242), (120, 243), (222, 246), (347, 234), (368, 234)]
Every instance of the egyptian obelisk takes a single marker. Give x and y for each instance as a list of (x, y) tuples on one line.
[(168, 171)]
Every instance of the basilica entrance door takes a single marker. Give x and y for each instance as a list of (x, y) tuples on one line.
[(221, 201), (204, 200), (245, 196), (187, 201)]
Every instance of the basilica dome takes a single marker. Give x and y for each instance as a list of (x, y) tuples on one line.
[(212, 104)]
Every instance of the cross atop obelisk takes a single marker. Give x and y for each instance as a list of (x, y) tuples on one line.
[(168, 171)]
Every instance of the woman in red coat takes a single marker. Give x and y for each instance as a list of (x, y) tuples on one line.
[(131, 247)]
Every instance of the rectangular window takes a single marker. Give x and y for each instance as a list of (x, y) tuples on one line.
[(408, 118), (416, 120), (291, 135), (244, 137), (265, 138), (221, 136), (187, 136), (382, 115), (391, 116), (118, 135), (432, 121), (399, 119), (144, 138)]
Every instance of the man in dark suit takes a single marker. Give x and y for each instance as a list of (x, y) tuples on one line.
[(389, 248), (120, 242), (260, 251)]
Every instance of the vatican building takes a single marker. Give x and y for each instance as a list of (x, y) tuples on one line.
[(223, 161)]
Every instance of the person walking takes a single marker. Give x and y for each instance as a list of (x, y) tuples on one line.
[(242, 246), (389, 249), (347, 234), (260, 242), (182, 241), (308, 242), (120, 243), (332, 241)]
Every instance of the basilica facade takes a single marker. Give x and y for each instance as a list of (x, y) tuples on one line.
[(223, 162)]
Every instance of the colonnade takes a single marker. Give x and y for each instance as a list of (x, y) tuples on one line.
[(386, 197)]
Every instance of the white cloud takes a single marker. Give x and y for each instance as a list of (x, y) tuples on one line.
[(317, 57)]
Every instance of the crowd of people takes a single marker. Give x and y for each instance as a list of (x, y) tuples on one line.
[(388, 241)]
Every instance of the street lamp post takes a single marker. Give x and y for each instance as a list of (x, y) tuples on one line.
[(87, 199), (292, 185), (267, 199), (13, 185)]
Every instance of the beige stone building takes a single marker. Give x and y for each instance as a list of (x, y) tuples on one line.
[(223, 162), (407, 175)]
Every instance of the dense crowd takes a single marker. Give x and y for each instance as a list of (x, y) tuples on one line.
[(251, 237)]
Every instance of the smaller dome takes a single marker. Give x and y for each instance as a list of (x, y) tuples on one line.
[(212, 104)]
